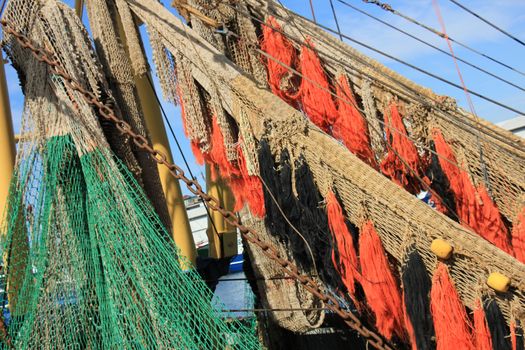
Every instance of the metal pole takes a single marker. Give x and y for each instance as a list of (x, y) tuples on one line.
[(180, 228), (223, 242)]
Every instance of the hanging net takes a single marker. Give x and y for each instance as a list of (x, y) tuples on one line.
[(87, 262)]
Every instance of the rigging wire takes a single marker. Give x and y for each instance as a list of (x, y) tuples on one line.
[(165, 116), (313, 11), (432, 46), (389, 8), (457, 3), (453, 119), (334, 13), (469, 99)]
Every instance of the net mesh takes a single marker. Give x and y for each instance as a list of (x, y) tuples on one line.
[(400, 219), (88, 263)]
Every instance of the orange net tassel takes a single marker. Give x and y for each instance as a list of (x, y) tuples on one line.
[(518, 236), (217, 154), (350, 126), (282, 55), (379, 284), (317, 102), (453, 330), (347, 264), (481, 329), (195, 148), (403, 152), (489, 223), (252, 187), (474, 207)]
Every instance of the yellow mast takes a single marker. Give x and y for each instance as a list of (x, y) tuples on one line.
[(7, 141), (180, 226), (17, 263), (222, 236)]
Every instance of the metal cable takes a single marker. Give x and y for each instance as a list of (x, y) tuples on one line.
[(313, 11), (432, 46), (487, 22), (389, 8), (334, 13)]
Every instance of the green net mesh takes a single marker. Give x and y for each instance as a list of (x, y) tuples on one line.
[(89, 265)]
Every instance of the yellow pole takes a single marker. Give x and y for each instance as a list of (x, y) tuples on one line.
[(19, 251), (180, 225), (222, 236), (7, 141)]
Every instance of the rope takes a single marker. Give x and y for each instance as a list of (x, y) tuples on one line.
[(488, 22), (470, 103), (432, 46), (389, 8)]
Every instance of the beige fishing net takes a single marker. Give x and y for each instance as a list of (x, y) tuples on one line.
[(399, 217)]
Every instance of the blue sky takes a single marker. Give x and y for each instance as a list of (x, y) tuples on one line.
[(508, 14)]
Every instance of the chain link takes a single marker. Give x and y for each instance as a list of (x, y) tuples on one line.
[(194, 187)]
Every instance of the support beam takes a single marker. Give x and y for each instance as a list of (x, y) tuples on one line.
[(222, 236), (180, 228)]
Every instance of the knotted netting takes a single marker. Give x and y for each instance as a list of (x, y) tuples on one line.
[(87, 262)]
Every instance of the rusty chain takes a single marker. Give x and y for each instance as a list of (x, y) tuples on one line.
[(194, 187)]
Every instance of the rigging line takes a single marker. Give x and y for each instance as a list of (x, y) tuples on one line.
[(389, 8), (335, 19), (292, 70), (368, 64), (2, 7), (487, 22), (470, 103), (290, 224), (313, 11), (182, 154), (432, 46), (421, 70)]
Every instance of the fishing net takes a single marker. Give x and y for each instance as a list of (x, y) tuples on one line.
[(400, 219), (88, 263)]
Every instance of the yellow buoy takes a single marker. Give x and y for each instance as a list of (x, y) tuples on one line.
[(442, 248), (498, 282)]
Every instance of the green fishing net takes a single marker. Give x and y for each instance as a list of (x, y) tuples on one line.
[(89, 265)]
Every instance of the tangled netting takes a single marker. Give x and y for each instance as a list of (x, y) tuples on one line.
[(88, 264)]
